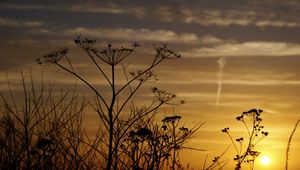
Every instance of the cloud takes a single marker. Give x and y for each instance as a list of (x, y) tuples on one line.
[(263, 82), (253, 48), (266, 23), (212, 96), (223, 17), (10, 6), (209, 39), (110, 8), (165, 13), (128, 34), (239, 17), (19, 23), (96, 8), (244, 82), (254, 78), (206, 14)]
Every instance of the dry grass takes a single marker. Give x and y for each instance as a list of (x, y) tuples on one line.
[(289, 144)]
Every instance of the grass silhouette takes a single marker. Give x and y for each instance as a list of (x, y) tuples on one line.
[(289, 145)]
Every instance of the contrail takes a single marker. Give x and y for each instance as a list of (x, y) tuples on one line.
[(221, 63)]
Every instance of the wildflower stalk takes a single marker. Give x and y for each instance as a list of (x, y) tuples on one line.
[(115, 124), (254, 136)]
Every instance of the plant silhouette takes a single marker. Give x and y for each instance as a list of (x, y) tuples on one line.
[(46, 131), (37, 131), (255, 134), (128, 135)]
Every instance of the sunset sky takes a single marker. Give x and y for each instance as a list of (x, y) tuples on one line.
[(245, 51)]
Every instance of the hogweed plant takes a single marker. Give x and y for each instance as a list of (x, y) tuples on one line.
[(245, 147), (116, 110)]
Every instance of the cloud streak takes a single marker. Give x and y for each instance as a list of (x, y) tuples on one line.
[(225, 18), (252, 78), (221, 63), (8, 22), (246, 49), (204, 14), (85, 7), (128, 34)]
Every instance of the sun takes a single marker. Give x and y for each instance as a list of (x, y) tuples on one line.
[(265, 160)]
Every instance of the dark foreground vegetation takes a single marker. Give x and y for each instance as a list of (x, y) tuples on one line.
[(43, 130)]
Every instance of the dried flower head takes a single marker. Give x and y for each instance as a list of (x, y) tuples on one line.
[(52, 57), (162, 95), (225, 130), (86, 43), (164, 52), (171, 119), (240, 139), (142, 77), (113, 56)]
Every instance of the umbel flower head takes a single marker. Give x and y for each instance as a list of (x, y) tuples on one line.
[(142, 77), (162, 95), (53, 57), (109, 55), (112, 56), (164, 52), (171, 119)]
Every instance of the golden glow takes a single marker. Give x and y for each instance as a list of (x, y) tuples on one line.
[(265, 160)]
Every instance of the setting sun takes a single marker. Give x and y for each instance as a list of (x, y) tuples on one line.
[(265, 160)]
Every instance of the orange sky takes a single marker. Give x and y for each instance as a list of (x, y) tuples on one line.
[(258, 40)]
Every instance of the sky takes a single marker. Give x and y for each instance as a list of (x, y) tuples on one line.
[(236, 55)]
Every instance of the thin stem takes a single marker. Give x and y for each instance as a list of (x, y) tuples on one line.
[(146, 70), (128, 98), (111, 123), (84, 81), (246, 126), (232, 141), (99, 68), (289, 144)]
